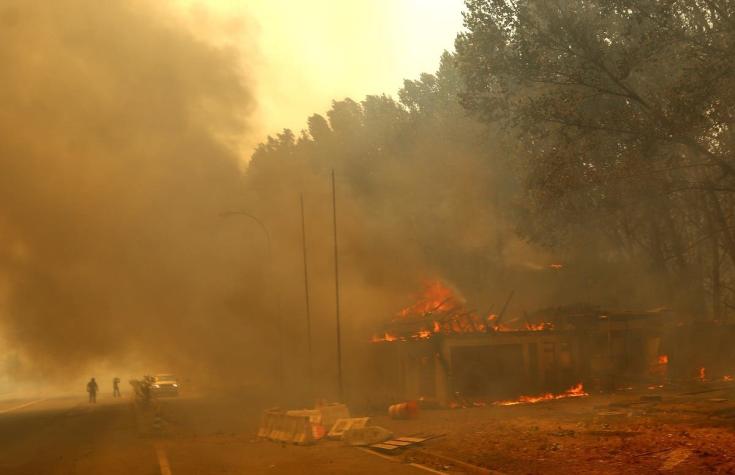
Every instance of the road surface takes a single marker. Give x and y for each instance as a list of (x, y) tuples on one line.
[(196, 436)]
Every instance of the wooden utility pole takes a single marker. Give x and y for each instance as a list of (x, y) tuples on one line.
[(308, 306), (336, 293)]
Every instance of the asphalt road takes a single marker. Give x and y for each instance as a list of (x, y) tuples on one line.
[(192, 435)]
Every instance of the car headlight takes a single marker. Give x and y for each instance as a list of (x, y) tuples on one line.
[(175, 385), (156, 386)]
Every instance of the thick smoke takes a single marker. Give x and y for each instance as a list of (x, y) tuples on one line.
[(114, 169), (118, 157)]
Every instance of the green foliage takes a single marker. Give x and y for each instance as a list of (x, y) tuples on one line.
[(603, 127), (422, 171), (624, 111)]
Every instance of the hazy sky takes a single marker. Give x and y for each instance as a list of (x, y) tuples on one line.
[(308, 52)]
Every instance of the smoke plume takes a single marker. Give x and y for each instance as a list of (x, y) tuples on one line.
[(116, 128), (119, 133)]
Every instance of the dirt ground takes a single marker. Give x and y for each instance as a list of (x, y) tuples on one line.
[(198, 435), (687, 429)]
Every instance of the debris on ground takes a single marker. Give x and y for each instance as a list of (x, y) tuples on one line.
[(398, 443), (360, 437), (343, 425), (601, 434), (306, 426), (404, 410), (675, 457)]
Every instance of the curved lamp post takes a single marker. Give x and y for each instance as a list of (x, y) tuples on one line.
[(272, 283)]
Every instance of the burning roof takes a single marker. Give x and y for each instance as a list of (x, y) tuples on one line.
[(438, 310)]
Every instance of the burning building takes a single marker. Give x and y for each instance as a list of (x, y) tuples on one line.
[(437, 348)]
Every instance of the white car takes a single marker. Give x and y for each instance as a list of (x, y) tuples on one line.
[(165, 385)]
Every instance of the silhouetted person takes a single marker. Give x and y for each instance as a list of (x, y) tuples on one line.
[(116, 387), (92, 390)]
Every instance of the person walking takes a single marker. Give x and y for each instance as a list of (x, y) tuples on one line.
[(92, 390), (116, 387)]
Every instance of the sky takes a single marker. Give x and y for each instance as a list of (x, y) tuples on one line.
[(303, 54)]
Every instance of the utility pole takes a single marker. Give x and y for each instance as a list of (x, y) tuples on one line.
[(310, 361), (336, 293)]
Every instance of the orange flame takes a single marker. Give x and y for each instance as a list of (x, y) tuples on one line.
[(439, 310), (385, 337), (575, 391), (531, 327), (728, 377), (436, 297), (423, 335), (702, 374), (663, 359)]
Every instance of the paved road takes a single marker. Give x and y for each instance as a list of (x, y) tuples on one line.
[(198, 436)]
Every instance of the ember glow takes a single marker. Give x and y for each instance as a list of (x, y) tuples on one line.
[(537, 327), (423, 335), (575, 391), (530, 327), (663, 359), (384, 337), (702, 374)]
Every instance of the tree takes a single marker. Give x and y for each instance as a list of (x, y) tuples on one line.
[(624, 111), (425, 176)]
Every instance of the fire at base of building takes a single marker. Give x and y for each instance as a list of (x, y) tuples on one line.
[(436, 349)]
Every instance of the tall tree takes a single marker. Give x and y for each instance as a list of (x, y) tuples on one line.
[(625, 112)]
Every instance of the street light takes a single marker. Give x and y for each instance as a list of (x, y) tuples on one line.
[(272, 283), (260, 224)]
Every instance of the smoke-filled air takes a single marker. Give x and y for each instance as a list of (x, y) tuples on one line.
[(117, 157), (254, 235)]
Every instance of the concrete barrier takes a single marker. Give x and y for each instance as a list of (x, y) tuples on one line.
[(332, 412), (280, 426)]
